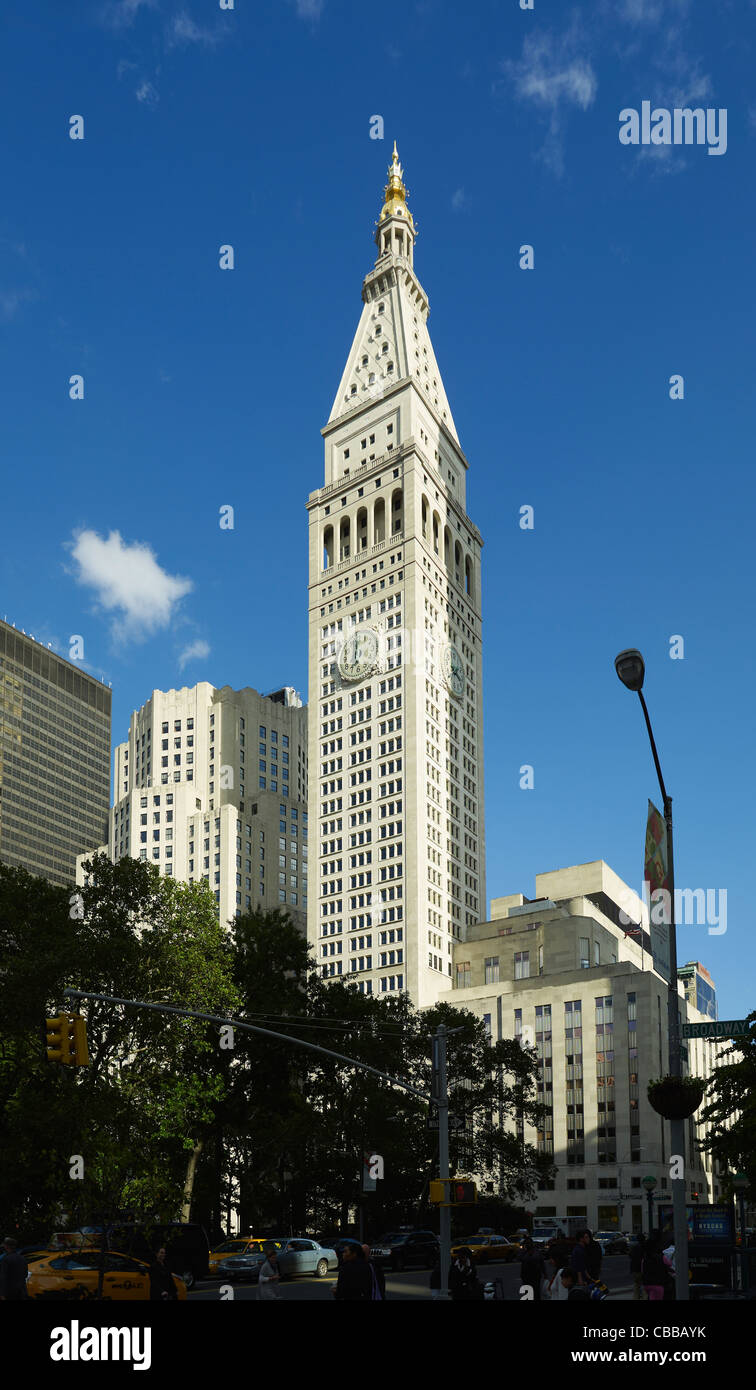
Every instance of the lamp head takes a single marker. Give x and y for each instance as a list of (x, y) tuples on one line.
[(649, 1184), (630, 668)]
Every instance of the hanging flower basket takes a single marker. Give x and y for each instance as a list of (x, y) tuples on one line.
[(676, 1097)]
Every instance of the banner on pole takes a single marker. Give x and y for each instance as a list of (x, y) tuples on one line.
[(657, 887)]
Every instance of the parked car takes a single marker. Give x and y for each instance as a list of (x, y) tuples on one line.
[(612, 1242), (74, 1274), (400, 1249)]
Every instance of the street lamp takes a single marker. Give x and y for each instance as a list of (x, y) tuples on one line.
[(631, 669), (650, 1183), (741, 1183)]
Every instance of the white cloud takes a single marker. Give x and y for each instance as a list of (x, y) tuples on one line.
[(120, 14), (552, 74), (128, 583), (310, 9), (183, 29), (196, 651), (459, 199), (11, 301), (147, 93)]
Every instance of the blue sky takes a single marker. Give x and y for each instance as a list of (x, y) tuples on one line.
[(251, 127)]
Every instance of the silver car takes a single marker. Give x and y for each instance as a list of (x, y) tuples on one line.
[(301, 1255)]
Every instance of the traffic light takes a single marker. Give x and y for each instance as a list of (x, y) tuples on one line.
[(446, 1193), (67, 1040), (463, 1193), (59, 1040), (81, 1051)]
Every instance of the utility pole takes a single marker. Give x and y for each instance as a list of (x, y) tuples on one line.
[(442, 1101)]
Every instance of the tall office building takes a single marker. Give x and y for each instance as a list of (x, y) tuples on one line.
[(396, 728), (559, 973), (54, 758), (211, 785)]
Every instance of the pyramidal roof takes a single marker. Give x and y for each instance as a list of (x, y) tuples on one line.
[(392, 342)]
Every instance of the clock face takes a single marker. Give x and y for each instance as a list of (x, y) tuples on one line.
[(359, 655), (454, 671)]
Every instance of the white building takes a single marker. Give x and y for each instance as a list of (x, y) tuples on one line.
[(396, 792), (559, 973), (211, 784)]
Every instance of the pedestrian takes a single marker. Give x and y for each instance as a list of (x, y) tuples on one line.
[(557, 1290), (463, 1281), (668, 1256), (575, 1292), (559, 1251), (355, 1281), (532, 1269), (654, 1272), (269, 1277), (593, 1256), (578, 1262), (14, 1272), (162, 1286), (377, 1277), (636, 1260)]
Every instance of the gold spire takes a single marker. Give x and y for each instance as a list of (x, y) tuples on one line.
[(396, 193)]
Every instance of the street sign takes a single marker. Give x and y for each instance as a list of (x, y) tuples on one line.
[(728, 1028), (455, 1121)]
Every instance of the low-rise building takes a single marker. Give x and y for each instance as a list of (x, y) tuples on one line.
[(561, 973)]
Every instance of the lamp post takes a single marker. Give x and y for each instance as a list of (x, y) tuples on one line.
[(741, 1184), (650, 1183), (630, 668)]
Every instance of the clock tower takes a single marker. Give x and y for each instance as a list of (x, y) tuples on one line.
[(397, 866)]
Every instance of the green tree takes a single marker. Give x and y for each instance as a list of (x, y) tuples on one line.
[(730, 1108), (139, 1114)]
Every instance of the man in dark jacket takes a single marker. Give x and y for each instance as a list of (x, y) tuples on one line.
[(355, 1281), (13, 1272), (593, 1256), (162, 1286), (532, 1269), (636, 1260), (377, 1275)]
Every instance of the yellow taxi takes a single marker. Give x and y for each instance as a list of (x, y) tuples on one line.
[(236, 1245), (486, 1247), (74, 1274)]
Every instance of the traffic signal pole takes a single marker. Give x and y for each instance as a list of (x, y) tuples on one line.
[(442, 1101)]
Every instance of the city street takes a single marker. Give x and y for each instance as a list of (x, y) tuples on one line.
[(413, 1285)]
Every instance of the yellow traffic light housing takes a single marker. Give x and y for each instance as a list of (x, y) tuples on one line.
[(67, 1040), (446, 1192), (81, 1051)]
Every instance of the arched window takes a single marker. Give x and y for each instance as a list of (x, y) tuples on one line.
[(447, 547), (385, 348), (379, 521), (327, 547), (362, 529), (458, 562), (390, 367), (424, 512), (468, 576), (344, 538), (397, 511), (364, 361), (436, 530)]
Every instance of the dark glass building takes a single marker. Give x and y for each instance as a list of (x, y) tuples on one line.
[(54, 759)]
